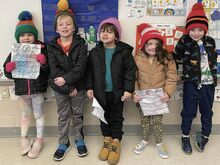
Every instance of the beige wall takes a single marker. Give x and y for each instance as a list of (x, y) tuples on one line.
[(10, 111)]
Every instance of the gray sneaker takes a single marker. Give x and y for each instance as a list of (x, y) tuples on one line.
[(139, 148), (162, 151)]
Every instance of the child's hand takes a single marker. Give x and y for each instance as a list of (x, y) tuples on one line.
[(126, 96), (165, 97), (136, 98), (90, 94), (59, 81), (41, 59), (10, 66), (74, 92)]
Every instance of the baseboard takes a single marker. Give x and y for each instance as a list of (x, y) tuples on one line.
[(95, 130)]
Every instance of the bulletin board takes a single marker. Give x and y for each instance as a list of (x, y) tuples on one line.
[(89, 12), (171, 34), (140, 8)]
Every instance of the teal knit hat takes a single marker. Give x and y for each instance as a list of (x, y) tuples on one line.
[(25, 25)]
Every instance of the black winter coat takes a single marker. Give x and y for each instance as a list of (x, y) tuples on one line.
[(31, 86), (187, 52), (123, 70), (71, 67)]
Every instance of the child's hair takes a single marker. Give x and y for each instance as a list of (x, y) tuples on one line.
[(111, 24), (25, 25), (110, 28), (161, 53), (197, 18), (63, 9)]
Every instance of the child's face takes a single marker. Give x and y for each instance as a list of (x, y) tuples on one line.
[(151, 47), (65, 26), (107, 36), (27, 38), (196, 33)]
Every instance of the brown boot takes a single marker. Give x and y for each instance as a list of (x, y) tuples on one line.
[(114, 154), (103, 155)]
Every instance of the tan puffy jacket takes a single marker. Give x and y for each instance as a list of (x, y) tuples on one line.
[(155, 75)]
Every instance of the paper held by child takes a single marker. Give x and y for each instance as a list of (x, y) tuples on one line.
[(98, 110), (151, 103), (26, 64)]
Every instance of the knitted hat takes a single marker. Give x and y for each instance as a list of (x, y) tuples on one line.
[(148, 32), (63, 8), (25, 25), (197, 18), (113, 21)]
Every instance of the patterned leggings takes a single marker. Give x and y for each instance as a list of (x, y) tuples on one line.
[(32, 103), (156, 125)]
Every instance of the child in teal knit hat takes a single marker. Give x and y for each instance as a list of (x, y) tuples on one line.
[(30, 91)]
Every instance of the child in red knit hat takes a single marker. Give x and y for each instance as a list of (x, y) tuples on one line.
[(196, 51), (156, 72), (30, 91)]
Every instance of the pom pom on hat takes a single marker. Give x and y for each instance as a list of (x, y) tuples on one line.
[(25, 25), (63, 5), (148, 32), (197, 18), (63, 8)]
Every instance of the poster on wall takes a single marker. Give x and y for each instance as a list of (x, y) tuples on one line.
[(140, 8), (88, 13), (171, 34)]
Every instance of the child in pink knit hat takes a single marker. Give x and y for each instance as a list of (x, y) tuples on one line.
[(110, 79)]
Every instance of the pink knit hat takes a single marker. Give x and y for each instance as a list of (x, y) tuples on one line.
[(113, 21), (148, 32)]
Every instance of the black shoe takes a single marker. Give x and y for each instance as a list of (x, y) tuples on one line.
[(81, 148), (201, 141), (186, 145), (61, 151)]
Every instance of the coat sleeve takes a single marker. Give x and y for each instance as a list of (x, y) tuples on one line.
[(129, 72), (171, 77), (8, 59), (89, 72), (45, 67), (179, 50), (79, 68), (56, 71)]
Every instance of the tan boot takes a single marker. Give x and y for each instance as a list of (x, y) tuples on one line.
[(103, 155), (114, 154)]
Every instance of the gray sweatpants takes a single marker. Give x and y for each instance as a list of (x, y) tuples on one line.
[(70, 109)]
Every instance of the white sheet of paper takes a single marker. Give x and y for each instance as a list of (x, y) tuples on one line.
[(24, 56), (98, 110), (150, 102)]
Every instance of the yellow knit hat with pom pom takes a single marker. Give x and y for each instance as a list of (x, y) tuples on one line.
[(63, 8)]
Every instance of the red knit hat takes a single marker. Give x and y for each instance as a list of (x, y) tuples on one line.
[(197, 18), (148, 32)]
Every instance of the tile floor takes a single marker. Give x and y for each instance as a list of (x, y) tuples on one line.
[(10, 148)]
